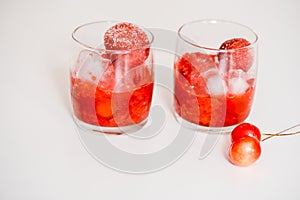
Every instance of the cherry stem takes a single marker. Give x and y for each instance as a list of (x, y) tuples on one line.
[(281, 133)]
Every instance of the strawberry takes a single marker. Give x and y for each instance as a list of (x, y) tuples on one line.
[(191, 66), (130, 38), (238, 56)]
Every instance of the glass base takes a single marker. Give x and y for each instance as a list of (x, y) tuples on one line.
[(205, 129), (110, 130)]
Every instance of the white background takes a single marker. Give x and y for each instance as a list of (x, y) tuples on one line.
[(41, 156)]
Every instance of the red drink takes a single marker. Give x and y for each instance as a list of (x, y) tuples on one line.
[(108, 105), (112, 76), (215, 73), (195, 102)]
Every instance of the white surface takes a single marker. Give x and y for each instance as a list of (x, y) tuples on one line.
[(41, 156)]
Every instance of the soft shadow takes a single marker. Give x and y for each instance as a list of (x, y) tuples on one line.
[(59, 73)]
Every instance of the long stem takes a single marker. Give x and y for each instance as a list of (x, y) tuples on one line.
[(281, 133)]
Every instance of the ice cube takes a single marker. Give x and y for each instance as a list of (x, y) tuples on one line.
[(224, 64), (237, 85), (90, 65), (216, 85), (214, 82), (237, 73), (237, 81), (133, 78), (107, 79)]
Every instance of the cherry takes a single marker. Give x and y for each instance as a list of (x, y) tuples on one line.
[(245, 129), (244, 151), (245, 148)]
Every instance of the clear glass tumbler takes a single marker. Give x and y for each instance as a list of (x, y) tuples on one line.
[(111, 89), (215, 72)]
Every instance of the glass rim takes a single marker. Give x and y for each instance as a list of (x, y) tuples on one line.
[(215, 21), (102, 50)]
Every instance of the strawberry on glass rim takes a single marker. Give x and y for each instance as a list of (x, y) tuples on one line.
[(240, 57), (132, 42)]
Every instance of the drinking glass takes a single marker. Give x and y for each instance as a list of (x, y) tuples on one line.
[(110, 93), (214, 80)]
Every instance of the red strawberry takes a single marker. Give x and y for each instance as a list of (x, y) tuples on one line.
[(126, 36), (195, 63), (191, 66), (239, 56)]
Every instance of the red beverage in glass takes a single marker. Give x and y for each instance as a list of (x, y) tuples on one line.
[(100, 106), (111, 76), (112, 97), (214, 74), (195, 100)]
